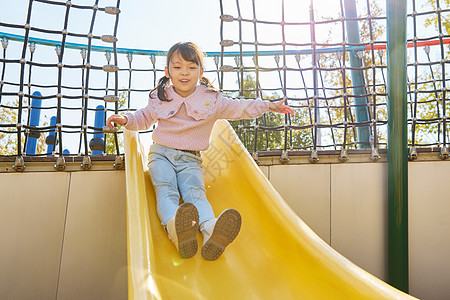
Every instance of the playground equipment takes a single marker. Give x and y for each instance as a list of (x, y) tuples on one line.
[(340, 88), (330, 113), (34, 116), (276, 254), (97, 144)]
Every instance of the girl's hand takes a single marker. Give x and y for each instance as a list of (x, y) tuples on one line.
[(280, 107), (118, 119)]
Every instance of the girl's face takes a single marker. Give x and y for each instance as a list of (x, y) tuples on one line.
[(183, 74)]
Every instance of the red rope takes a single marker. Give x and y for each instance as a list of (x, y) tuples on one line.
[(411, 44)]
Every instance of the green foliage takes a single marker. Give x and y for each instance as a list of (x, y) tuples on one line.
[(110, 141), (270, 139), (430, 105), (8, 139), (445, 20), (338, 109)]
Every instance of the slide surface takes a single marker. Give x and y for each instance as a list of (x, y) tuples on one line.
[(275, 256)]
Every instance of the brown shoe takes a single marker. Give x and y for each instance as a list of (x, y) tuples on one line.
[(219, 233), (182, 230)]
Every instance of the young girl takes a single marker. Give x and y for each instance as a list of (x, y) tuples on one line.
[(186, 113)]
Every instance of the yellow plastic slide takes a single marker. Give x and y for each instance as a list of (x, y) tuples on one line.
[(275, 256)]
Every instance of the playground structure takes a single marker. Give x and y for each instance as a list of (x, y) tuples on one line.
[(295, 262), (344, 122)]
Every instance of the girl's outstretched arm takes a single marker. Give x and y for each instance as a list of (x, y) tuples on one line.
[(280, 107)]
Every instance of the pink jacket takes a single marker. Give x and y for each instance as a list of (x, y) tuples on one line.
[(186, 123)]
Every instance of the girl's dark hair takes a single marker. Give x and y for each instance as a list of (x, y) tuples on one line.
[(190, 52)]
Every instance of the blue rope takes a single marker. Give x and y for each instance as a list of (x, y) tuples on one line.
[(47, 42)]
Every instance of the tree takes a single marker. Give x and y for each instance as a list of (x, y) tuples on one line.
[(110, 142), (430, 97), (332, 79), (8, 139), (8, 135), (434, 21), (269, 138)]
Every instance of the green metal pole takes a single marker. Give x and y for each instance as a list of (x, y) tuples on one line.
[(361, 109), (397, 145)]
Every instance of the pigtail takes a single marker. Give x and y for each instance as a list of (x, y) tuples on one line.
[(161, 89), (205, 81)]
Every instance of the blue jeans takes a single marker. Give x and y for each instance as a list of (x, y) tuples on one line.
[(174, 172)]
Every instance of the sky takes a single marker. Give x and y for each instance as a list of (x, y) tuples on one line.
[(154, 25), (157, 25), (142, 24)]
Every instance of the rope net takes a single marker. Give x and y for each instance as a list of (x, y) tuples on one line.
[(60, 81)]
